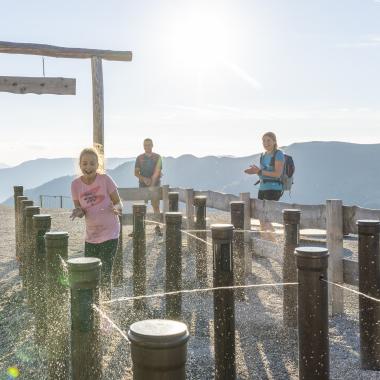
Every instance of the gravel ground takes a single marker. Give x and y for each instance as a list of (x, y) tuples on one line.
[(264, 348)]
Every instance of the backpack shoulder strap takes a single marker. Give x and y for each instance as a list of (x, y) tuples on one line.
[(273, 159)]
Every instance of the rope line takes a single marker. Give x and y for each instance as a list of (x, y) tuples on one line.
[(154, 222), (112, 323), (196, 237), (198, 291), (351, 290)]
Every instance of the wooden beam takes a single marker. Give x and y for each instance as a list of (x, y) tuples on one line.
[(34, 85), (62, 52)]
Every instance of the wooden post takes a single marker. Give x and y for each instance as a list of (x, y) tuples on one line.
[(173, 280), (57, 303), (224, 307), (41, 225), (246, 198), (237, 220), (29, 253), (139, 255), (159, 349), (313, 315), (369, 284), (18, 192), (86, 356), (118, 263), (98, 107), (19, 230), (289, 269), (189, 198), (23, 238), (165, 199), (334, 232), (201, 246), (173, 201)]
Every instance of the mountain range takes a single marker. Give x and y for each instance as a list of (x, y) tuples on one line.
[(324, 170)]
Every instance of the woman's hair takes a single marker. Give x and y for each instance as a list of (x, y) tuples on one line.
[(273, 137)]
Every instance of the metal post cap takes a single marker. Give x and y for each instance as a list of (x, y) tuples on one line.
[(156, 333), (173, 194), (82, 264), (368, 227), (56, 239), (173, 217), (31, 210), (222, 231), (313, 258), (292, 216), (199, 200)]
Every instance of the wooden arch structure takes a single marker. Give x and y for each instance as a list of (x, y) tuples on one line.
[(64, 86)]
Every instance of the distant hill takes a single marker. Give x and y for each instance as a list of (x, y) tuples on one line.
[(324, 170), (34, 173)]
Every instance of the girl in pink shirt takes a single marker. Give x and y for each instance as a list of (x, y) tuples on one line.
[(95, 197)]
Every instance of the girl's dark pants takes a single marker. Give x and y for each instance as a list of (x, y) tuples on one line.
[(269, 195), (106, 252)]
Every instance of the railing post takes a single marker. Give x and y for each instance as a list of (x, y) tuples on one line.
[(237, 220), (86, 357), (41, 201), (61, 201), (165, 199), (369, 283), (57, 304), (246, 198), (164, 343), (334, 232), (23, 239), (173, 201), (18, 191), (289, 269), (224, 308), (200, 247), (189, 198), (173, 281), (41, 225), (18, 231), (139, 254), (118, 264), (313, 314), (29, 253)]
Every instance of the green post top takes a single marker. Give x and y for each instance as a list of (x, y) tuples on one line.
[(158, 333), (173, 217), (41, 221), (200, 200), (222, 231), (312, 258), (291, 216), (29, 211), (368, 227), (84, 272)]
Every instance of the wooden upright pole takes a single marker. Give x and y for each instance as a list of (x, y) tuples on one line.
[(98, 107)]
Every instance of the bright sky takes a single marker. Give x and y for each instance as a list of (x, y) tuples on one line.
[(207, 76)]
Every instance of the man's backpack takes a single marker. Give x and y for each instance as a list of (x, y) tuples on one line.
[(288, 172)]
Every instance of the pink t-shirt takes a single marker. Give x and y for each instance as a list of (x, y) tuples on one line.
[(101, 222)]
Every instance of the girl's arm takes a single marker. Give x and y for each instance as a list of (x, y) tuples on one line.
[(116, 202)]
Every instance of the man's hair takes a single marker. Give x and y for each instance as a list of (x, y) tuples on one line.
[(148, 140)]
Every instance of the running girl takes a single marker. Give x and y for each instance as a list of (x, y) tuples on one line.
[(95, 197)]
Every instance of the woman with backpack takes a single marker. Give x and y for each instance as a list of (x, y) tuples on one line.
[(270, 170)]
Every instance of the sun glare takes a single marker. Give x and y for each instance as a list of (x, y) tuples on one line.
[(203, 36)]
